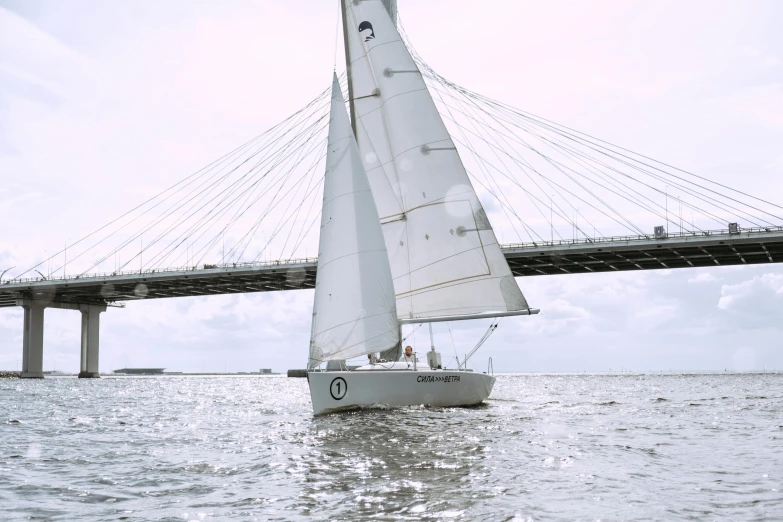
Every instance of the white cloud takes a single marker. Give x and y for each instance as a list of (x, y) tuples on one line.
[(561, 317), (747, 294), (704, 277)]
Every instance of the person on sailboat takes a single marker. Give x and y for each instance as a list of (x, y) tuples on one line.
[(408, 355)]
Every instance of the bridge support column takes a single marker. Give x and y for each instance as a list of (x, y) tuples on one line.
[(32, 340), (91, 315)]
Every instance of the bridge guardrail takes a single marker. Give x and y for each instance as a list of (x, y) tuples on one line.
[(206, 266), (628, 239)]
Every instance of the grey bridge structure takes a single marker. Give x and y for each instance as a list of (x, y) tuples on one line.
[(616, 254), (541, 176), (91, 295)]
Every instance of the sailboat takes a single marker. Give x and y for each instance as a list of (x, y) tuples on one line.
[(404, 238)]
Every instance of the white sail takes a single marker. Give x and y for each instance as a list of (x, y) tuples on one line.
[(354, 310), (444, 256)]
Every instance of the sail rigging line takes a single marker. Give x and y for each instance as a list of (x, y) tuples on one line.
[(203, 195), (488, 173), (352, 320), (412, 332), (398, 198), (219, 212), (163, 216), (483, 171), (609, 152), (561, 213), (491, 190), (135, 235), (304, 152), (705, 198), (487, 334), (173, 189), (653, 160), (273, 204), (529, 230), (276, 230), (204, 202), (281, 179), (517, 161), (453, 345), (305, 232), (434, 77), (355, 118), (200, 195), (337, 33), (299, 208), (502, 135), (469, 145), (577, 154), (302, 231), (582, 159), (423, 267)]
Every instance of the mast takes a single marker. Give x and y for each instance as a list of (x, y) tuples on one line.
[(391, 8), (351, 110)]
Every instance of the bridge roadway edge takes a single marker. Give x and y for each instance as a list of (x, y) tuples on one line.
[(548, 258)]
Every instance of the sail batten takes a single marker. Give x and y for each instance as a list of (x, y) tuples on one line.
[(354, 308), (436, 231), (470, 317)]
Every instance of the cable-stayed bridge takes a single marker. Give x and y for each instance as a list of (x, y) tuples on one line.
[(714, 248), (570, 202)]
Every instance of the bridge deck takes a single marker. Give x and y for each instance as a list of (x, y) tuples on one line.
[(719, 248), (754, 246)]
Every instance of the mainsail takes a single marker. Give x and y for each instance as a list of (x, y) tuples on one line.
[(354, 308), (445, 259)]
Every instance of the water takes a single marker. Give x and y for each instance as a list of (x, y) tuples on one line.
[(545, 447)]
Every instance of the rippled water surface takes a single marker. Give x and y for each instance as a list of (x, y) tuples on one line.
[(544, 447)]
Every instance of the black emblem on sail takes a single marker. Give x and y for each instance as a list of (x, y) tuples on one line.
[(364, 26)]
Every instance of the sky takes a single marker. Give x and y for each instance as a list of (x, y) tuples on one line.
[(103, 104)]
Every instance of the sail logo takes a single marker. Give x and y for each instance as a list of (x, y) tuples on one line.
[(367, 26), (437, 378)]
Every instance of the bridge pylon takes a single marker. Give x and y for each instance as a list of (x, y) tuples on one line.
[(91, 315), (33, 336), (32, 343)]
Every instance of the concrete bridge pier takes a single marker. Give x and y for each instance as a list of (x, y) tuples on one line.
[(32, 340), (91, 315)]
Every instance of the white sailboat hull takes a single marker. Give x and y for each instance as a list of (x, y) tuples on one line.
[(341, 390)]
